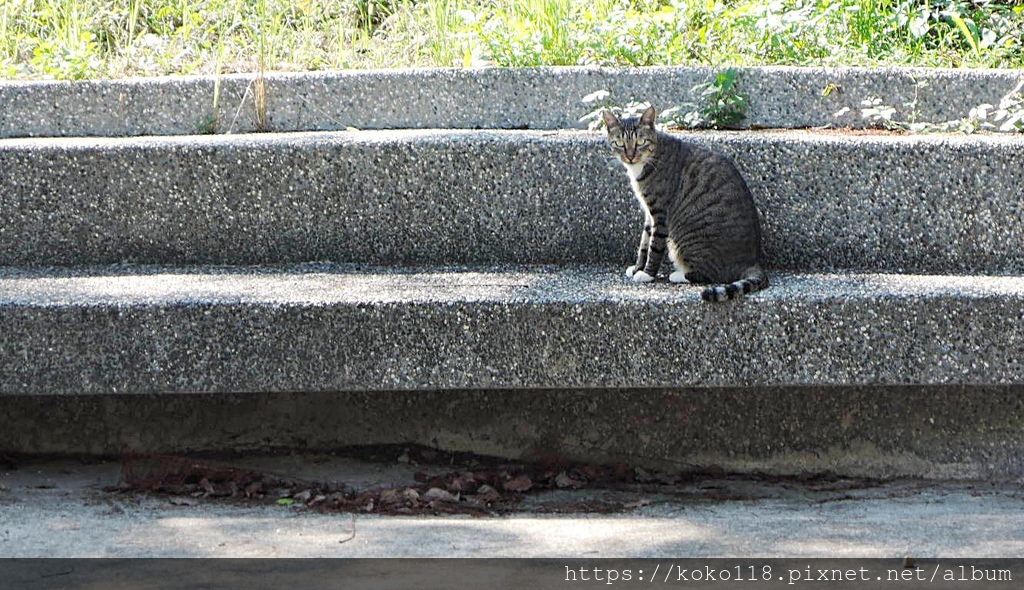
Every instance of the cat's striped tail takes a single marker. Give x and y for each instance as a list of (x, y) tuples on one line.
[(735, 289)]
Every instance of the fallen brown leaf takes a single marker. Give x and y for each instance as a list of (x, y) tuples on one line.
[(638, 504), (642, 475), (388, 497), (437, 494), (562, 480), (519, 484), (206, 486), (486, 490)]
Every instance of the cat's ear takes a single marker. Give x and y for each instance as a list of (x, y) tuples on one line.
[(610, 120), (648, 117)]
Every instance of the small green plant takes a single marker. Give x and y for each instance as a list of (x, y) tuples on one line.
[(879, 115), (884, 116), (718, 106), (69, 50), (370, 14), (1006, 117), (601, 101), (71, 61), (456, 49), (207, 125)]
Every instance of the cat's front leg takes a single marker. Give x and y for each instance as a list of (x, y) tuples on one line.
[(641, 254), (656, 234)]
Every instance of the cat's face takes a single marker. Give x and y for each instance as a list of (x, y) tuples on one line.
[(633, 140)]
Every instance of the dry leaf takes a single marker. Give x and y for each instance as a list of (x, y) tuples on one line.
[(519, 484), (642, 475), (388, 497), (182, 501), (206, 486), (562, 480), (435, 494), (486, 490), (253, 489)]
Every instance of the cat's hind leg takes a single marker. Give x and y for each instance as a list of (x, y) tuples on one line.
[(679, 268)]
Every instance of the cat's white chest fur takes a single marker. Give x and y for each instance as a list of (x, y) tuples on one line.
[(633, 171)]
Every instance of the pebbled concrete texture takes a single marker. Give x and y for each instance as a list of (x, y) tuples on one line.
[(917, 204), (932, 432), (519, 98), (329, 328), (889, 345)]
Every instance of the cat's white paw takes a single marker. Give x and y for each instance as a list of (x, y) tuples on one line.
[(642, 277), (678, 277), (631, 271)]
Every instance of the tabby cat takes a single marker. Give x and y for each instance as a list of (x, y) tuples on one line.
[(696, 206)]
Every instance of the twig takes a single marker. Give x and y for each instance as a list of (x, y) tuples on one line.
[(353, 535)]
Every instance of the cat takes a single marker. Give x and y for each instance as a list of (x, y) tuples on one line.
[(697, 209)]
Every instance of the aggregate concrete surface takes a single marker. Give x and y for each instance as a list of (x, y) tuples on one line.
[(59, 509), (485, 98), (925, 204), (551, 327)]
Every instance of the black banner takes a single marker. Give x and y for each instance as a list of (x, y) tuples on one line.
[(494, 574)]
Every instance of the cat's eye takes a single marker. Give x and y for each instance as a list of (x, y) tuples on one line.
[(618, 143), (641, 142)]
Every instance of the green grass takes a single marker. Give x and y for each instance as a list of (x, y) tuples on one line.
[(78, 39)]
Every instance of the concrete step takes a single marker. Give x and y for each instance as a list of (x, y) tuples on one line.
[(862, 374), (157, 293), (337, 328), (520, 98), (916, 204)]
